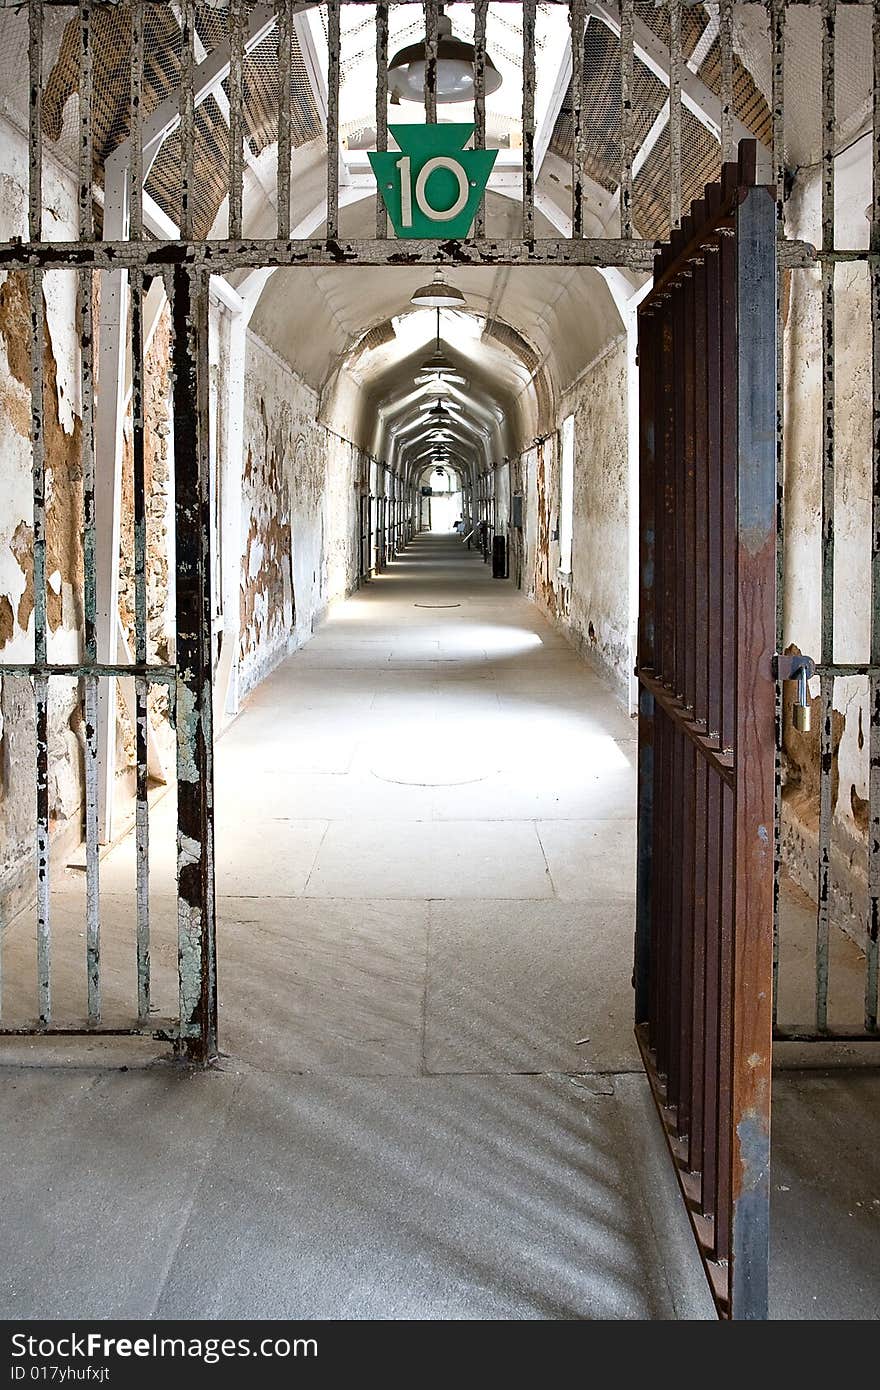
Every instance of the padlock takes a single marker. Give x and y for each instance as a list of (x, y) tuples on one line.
[(801, 710)]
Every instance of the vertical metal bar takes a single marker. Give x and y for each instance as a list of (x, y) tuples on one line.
[(135, 123), (724, 1010), (41, 682), (755, 753), (703, 658), (90, 684), (35, 119), (333, 44), (577, 19), (381, 106), (195, 865), (38, 444), (688, 499), (725, 37), (237, 22), (777, 34), (715, 676), (283, 31), (142, 820), (481, 8), (432, 15), (687, 808), (85, 120), (187, 118), (680, 564), (626, 115), (728, 495), (647, 491), (711, 1012), (528, 119), (829, 10), (873, 932), (674, 113)]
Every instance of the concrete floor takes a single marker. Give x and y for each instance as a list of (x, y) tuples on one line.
[(430, 1104)]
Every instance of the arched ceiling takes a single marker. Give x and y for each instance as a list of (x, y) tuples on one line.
[(353, 335)]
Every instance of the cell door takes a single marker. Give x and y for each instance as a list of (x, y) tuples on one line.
[(704, 934)]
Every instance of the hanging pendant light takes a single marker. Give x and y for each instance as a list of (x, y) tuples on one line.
[(455, 69), (438, 295), (438, 364)]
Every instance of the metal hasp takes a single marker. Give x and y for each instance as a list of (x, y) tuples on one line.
[(800, 669), (704, 932)]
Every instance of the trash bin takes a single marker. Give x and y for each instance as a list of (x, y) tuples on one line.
[(499, 557)]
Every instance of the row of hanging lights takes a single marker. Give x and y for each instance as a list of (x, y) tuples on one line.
[(455, 82)]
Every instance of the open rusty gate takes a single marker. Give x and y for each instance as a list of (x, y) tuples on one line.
[(704, 949)]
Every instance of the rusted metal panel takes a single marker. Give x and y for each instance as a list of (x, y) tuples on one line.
[(704, 931)]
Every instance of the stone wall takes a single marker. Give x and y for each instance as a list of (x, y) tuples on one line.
[(591, 606), (299, 515)]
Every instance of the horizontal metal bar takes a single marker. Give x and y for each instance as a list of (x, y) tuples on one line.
[(158, 674), (842, 668), (164, 1030), (814, 3), (721, 762), (215, 257), (809, 1033)]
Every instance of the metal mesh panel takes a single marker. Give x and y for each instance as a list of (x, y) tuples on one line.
[(211, 162), (260, 93), (748, 103), (601, 107)]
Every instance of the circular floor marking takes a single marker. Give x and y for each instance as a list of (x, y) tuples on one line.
[(436, 605), (416, 771)]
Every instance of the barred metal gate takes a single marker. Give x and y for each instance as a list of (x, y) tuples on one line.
[(704, 945)]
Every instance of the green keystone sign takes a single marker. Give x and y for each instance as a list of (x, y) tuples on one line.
[(432, 188)]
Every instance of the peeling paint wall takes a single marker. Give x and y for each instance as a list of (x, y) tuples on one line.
[(62, 425), (592, 609), (803, 538), (299, 521)]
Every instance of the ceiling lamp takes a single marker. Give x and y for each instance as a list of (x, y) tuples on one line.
[(438, 295), (438, 364), (455, 69), (436, 382)]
